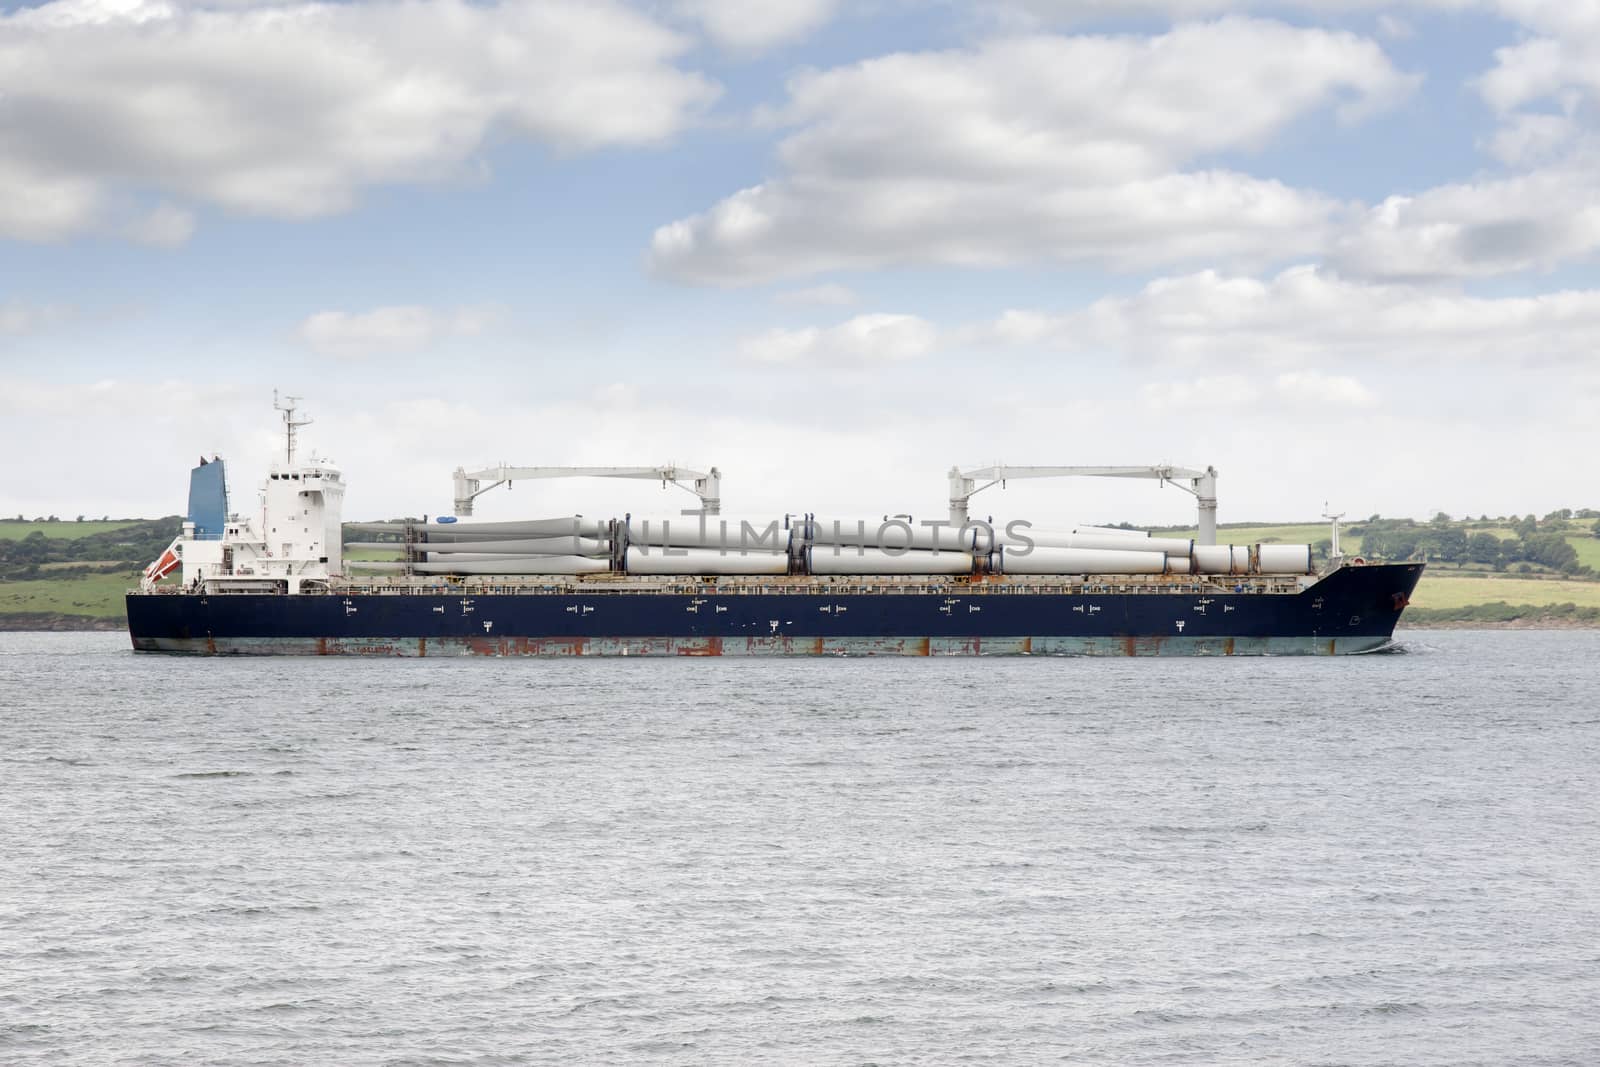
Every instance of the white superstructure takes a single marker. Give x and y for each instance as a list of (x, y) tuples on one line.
[(292, 543)]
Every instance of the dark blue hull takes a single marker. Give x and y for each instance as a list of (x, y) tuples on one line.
[(1353, 609)]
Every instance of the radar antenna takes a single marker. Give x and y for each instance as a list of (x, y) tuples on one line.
[(287, 405)]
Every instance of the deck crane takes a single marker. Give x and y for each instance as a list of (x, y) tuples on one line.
[(707, 485), (1202, 485)]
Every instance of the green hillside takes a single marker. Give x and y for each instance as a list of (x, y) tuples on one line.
[(32, 550), (69, 575), (95, 595), (1588, 549), (12, 530), (1445, 591)]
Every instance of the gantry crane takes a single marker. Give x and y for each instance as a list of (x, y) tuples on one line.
[(707, 485), (1202, 485)]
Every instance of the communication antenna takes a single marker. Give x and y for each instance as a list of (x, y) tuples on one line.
[(290, 424), (1333, 549)]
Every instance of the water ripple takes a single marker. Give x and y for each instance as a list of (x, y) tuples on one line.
[(1373, 860)]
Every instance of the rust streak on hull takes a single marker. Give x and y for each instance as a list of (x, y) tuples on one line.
[(762, 646)]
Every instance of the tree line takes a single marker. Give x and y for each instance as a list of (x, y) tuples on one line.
[(1531, 542), (132, 546)]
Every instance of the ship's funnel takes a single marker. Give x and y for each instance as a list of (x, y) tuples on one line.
[(208, 499)]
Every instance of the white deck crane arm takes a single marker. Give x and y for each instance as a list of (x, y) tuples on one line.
[(1202, 485), (707, 485)]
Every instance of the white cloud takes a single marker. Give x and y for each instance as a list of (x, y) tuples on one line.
[(1494, 226), (84, 427), (1526, 139), (1307, 318), (397, 446), (387, 330), (992, 154), (1089, 149), (1544, 210), (291, 110), (755, 25), (1311, 389), (1542, 67), (41, 205), (1226, 392), (394, 469), (18, 319), (831, 295), (1070, 11), (1394, 27), (1069, 149), (863, 339), (1293, 392), (1546, 87)]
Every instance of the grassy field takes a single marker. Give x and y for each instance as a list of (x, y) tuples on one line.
[(1588, 549), (99, 594), (375, 553), (67, 531), (1449, 591)]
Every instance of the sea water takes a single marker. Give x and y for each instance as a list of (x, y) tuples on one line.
[(1392, 858)]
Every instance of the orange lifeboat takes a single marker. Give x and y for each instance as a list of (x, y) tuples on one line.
[(163, 566)]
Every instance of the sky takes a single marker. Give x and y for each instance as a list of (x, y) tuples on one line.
[(1343, 252)]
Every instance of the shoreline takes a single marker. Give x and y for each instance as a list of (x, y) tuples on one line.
[(1542, 622), (56, 622)]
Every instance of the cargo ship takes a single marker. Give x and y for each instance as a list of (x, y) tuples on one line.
[(277, 581)]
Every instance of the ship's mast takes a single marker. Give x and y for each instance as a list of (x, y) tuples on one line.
[(1333, 548), (290, 424)]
